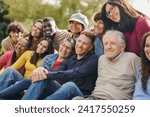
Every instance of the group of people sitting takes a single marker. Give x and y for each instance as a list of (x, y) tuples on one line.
[(110, 62)]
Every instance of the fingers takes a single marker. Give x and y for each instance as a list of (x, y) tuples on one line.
[(39, 74)]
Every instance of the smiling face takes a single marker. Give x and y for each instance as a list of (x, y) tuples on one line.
[(42, 47), (65, 49), (75, 27), (98, 26), (83, 46), (37, 29), (21, 46), (112, 47), (113, 13), (147, 48)]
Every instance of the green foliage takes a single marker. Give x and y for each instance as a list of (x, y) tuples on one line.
[(27, 11), (3, 21)]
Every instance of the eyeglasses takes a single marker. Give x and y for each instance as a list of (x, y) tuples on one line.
[(111, 11)]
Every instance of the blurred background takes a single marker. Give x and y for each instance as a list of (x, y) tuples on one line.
[(27, 11)]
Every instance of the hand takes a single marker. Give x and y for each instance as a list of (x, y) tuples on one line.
[(39, 74)]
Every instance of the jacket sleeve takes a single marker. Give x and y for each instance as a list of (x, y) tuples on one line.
[(78, 72), (139, 93), (22, 60)]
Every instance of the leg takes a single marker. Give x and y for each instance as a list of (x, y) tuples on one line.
[(8, 77), (16, 89), (66, 92), (38, 89)]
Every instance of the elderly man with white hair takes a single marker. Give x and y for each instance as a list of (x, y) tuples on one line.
[(117, 71)]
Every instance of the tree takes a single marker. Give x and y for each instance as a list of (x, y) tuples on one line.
[(27, 11), (3, 21)]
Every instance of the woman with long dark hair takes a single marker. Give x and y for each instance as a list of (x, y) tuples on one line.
[(121, 16), (142, 87), (35, 34), (30, 59), (50, 62)]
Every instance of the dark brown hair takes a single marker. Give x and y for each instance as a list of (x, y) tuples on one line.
[(31, 37), (145, 64), (50, 50), (128, 15), (15, 27)]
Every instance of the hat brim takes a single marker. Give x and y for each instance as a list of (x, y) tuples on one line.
[(73, 19)]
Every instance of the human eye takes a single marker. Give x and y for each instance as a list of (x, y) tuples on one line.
[(147, 45)]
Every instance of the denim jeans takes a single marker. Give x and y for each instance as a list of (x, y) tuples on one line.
[(66, 92), (16, 90), (41, 89), (8, 77)]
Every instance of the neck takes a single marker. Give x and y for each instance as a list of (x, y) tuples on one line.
[(35, 39), (113, 59), (18, 55), (60, 59), (75, 35), (80, 57), (100, 35)]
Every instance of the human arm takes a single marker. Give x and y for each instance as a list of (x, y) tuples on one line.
[(38, 74), (5, 59), (83, 69), (139, 93), (22, 60)]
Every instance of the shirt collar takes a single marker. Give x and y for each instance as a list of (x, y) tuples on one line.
[(85, 57), (118, 56)]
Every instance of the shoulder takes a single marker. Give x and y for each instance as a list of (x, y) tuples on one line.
[(6, 40), (129, 56), (62, 32), (8, 53), (51, 56), (102, 57), (142, 21), (28, 52), (92, 55)]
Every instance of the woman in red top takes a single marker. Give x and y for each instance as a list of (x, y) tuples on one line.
[(8, 58), (120, 15)]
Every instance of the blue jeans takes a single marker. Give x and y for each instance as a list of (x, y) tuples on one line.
[(16, 90), (66, 92), (8, 77), (41, 89)]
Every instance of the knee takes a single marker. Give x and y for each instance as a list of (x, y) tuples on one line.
[(70, 85), (10, 70)]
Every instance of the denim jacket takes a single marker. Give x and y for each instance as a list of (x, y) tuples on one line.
[(48, 61), (98, 46), (139, 93)]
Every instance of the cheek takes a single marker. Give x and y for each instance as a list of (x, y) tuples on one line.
[(45, 49)]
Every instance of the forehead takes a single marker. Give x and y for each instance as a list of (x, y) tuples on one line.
[(99, 21), (45, 42), (148, 39), (39, 24), (67, 43), (108, 6), (22, 40), (76, 22), (110, 38), (49, 23), (84, 39)]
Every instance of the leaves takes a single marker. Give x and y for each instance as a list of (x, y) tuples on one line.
[(28, 11)]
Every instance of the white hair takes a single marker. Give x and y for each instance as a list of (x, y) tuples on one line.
[(120, 35)]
